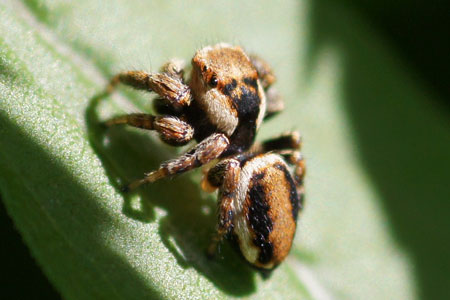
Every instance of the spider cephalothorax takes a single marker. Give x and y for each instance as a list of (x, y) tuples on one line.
[(225, 85), (222, 106)]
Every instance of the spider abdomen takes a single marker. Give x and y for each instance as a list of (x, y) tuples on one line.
[(267, 207)]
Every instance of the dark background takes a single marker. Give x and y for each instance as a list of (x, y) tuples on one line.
[(419, 30), (416, 30)]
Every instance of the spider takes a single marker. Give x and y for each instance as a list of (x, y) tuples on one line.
[(221, 107)]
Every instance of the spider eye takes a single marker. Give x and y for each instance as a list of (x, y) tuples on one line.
[(213, 81)]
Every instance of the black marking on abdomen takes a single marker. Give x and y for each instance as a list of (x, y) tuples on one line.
[(293, 195), (259, 218)]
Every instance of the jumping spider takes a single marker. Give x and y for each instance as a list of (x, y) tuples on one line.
[(223, 104)]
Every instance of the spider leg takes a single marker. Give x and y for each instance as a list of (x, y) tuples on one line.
[(295, 158), (204, 152), (287, 145), (226, 175), (274, 102), (287, 140), (265, 73), (168, 85), (174, 68), (171, 129)]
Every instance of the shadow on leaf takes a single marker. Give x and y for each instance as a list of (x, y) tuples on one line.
[(66, 223), (190, 221)]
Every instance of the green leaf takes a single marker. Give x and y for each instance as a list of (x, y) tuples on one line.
[(360, 111)]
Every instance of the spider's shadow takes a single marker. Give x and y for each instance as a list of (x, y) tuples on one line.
[(187, 228)]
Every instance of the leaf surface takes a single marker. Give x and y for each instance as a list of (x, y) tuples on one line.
[(61, 172)]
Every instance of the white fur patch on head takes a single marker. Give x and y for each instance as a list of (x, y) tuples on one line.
[(219, 111)]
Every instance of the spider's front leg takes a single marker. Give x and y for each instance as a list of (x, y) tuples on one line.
[(174, 68), (274, 102), (204, 152), (175, 96), (171, 129), (226, 176), (168, 84)]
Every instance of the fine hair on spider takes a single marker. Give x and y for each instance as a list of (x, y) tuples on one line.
[(221, 106)]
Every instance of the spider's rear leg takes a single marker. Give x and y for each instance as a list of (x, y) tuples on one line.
[(296, 159), (287, 145), (226, 176), (285, 141), (204, 152), (171, 129)]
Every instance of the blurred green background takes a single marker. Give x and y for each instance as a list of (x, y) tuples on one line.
[(366, 82)]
